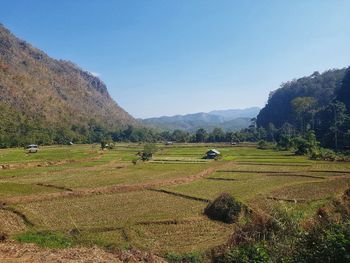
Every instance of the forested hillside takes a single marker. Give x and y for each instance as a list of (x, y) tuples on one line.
[(45, 100), (343, 94), (319, 103)]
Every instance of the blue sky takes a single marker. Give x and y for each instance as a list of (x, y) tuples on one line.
[(166, 57)]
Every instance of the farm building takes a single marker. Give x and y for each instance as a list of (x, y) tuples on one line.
[(211, 154)]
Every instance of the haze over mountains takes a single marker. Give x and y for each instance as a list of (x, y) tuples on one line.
[(228, 120), (52, 92)]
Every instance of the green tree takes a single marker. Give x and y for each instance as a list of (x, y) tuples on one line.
[(180, 136), (271, 132), (339, 118), (343, 93), (304, 110), (306, 145), (217, 135), (285, 142), (148, 150), (201, 135)]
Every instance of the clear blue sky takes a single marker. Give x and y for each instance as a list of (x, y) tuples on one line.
[(165, 57)]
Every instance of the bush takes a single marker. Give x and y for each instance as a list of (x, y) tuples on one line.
[(281, 237), (301, 146), (323, 154), (111, 146), (262, 145), (285, 143), (103, 145), (305, 145), (224, 208), (247, 253), (324, 244), (148, 150)]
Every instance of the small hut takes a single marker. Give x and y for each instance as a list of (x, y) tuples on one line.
[(212, 154)]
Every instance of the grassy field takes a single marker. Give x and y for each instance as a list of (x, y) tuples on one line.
[(81, 195)]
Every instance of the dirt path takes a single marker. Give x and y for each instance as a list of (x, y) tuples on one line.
[(29, 253), (115, 188)]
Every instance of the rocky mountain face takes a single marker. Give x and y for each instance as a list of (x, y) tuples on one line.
[(56, 92)]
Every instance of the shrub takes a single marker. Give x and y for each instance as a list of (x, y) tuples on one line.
[(148, 150), (262, 145), (111, 146), (258, 227), (103, 145), (281, 238), (324, 244), (247, 253), (301, 145), (323, 154), (305, 145), (285, 143), (224, 208), (343, 158)]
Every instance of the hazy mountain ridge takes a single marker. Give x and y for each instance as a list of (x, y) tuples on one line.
[(55, 91), (229, 120), (232, 114)]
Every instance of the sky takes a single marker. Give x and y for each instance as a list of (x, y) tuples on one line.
[(167, 57)]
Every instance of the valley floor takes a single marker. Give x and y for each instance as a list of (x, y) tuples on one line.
[(79, 196)]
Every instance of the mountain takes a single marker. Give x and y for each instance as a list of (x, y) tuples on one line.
[(229, 120), (320, 87), (343, 93), (53, 93), (229, 115)]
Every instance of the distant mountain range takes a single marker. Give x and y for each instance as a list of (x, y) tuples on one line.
[(228, 120)]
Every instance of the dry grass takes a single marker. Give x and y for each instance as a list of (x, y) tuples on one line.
[(109, 205), (181, 238), (11, 223), (117, 210)]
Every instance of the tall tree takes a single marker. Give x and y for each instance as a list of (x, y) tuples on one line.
[(343, 94), (339, 118), (201, 135), (217, 135), (304, 109)]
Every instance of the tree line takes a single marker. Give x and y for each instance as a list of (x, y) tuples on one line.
[(314, 106), (17, 130)]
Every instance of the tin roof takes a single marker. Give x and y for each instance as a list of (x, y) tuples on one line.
[(214, 151)]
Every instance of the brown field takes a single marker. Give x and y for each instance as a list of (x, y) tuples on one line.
[(82, 196)]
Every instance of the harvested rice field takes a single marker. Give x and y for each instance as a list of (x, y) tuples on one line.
[(80, 195)]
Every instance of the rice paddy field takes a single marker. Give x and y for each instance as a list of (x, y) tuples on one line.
[(85, 196)]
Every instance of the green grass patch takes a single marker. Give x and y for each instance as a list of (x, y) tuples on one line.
[(46, 239), (193, 257), (8, 189), (48, 153)]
